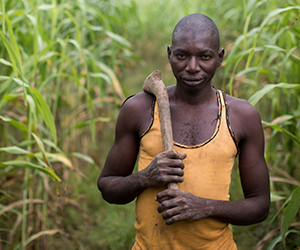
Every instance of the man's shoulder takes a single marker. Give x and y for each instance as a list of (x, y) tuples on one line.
[(139, 101), (244, 119), (241, 107), (135, 114)]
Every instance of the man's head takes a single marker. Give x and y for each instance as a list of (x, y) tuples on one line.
[(195, 53), (196, 23)]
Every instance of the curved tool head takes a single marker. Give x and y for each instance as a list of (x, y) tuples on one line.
[(154, 84)]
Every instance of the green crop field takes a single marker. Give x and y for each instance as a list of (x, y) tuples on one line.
[(66, 66)]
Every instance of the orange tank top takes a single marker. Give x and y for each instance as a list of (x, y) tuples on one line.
[(207, 174)]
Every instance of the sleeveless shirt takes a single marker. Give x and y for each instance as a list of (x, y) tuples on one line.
[(207, 174)]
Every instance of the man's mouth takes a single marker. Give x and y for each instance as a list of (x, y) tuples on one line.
[(193, 80)]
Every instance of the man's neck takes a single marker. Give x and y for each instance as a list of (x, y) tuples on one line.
[(194, 97)]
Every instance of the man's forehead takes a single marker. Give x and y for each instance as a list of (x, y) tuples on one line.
[(206, 37), (194, 33)]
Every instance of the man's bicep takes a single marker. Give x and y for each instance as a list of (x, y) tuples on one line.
[(123, 153), (121, 158), (253, 169)]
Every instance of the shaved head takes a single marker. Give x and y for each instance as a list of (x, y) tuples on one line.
[(196, 23)]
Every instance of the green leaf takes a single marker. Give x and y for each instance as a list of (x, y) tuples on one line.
[(15, 46), (46, 7), (285, 131), (75, 43), (26, 164), (101, 75), (47, 56), (4, 62), (12, 54), (73, 19), (24, 85), (279, 238), (4, 78), (281, 208), (52, 145), (45, 112), (88, 122), (266, 89), (14, 150), (276, 197), (10, 97), (20, 82), (246, 71), (115, 82), (263, 24), (118, 38), (83, 157), (51, 157), (276, 12), (61, 158), (18, 12), (283, 119), (290, 212), (16, 124), (41, 146)]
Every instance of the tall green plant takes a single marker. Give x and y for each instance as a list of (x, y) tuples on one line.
[(263, 65), (57, 75)]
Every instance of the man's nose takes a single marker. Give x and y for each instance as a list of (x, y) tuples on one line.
[(193, 65)]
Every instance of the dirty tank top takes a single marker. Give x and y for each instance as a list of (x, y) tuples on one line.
[(207, 174)]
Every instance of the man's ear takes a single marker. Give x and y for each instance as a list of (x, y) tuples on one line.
[(221, 56), (169, 51)]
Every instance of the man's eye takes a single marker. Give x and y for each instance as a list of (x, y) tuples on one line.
[(180, 56), (206, 56)]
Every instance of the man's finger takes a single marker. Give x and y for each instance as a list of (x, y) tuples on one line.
[(166, 204), (173, 154), (162, 199), (166, 194), (182, 156)]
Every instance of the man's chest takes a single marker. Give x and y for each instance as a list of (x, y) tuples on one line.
[(194, 127)]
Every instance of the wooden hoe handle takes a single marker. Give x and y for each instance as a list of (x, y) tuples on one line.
[(155, 86)]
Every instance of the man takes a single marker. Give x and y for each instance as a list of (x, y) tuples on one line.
[(209, 129)]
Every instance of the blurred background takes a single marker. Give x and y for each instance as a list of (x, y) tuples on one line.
[(65, 69)]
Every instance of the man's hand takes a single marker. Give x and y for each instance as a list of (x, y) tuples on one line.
[(166, 167), (180, 205)]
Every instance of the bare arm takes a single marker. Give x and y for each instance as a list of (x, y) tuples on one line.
[(117, 183), (177, 205)]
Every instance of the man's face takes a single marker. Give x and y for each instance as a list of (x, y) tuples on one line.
[(194, 58)]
